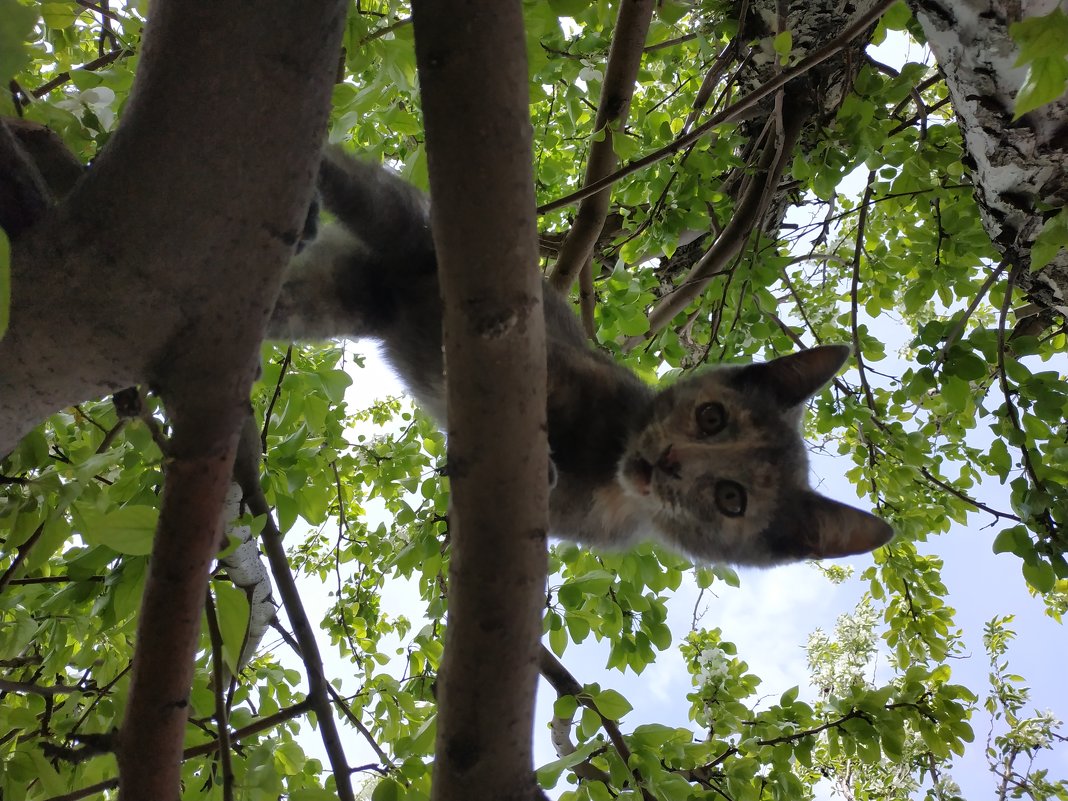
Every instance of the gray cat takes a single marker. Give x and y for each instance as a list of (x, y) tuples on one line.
[(713, 466)]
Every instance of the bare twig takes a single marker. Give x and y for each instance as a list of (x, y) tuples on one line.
[(958, 329), (29, 688), (21, 555), (102, 10), (89, 66), (220, 679), (274, 398), (378, 33), (854, 291), (358, 724)]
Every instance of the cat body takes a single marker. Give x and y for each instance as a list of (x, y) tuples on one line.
[(713, 466)]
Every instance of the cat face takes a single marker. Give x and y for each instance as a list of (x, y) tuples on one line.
[(722, 470)]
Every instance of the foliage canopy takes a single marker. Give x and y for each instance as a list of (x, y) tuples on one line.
[(949, 396)]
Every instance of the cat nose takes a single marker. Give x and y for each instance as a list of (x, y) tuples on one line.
[(669, 463)]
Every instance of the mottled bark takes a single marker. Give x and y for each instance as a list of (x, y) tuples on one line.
[(1020, 169)]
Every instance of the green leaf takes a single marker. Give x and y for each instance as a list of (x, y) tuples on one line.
[(128, 530), (565, 706), (783, 43), (1043, 45), (549, 773), (232, 610), (387, 790), (671, 11), (558, 640), (966, 364), (611, 704), (1040, 575), (1051, 240), (16, 24), (1013, 540)]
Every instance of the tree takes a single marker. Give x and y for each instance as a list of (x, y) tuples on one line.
[(691, 163)]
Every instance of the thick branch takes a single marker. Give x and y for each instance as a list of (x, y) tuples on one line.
[(23, 193), (199, 218), (472, 68), (621, 71), (187, 539)]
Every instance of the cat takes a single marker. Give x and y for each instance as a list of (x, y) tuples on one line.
[(712, 466)]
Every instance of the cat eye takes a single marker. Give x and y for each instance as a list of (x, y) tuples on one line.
[(711, 418), (730, 498)]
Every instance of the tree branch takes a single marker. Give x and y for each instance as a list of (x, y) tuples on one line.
[(220, 678), (23, 193), (617, 89), (565, 684), (89, 66), (246, 472), (776, 154), (472, 65), (254, 728)]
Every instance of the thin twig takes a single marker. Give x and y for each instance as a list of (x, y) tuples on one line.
[(21, 555), (219, 679), (752, 204), (958, 329), (967, 498), (269, 722), (89, 66), (103, 12), (854, 291), (246, 470), (274, 398), (378, 33), (29, 688)]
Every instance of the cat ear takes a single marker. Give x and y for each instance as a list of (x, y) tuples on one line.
[(796, 377), (833, 529)]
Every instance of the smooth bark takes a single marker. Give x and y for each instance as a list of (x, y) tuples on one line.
[(472, 68)]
